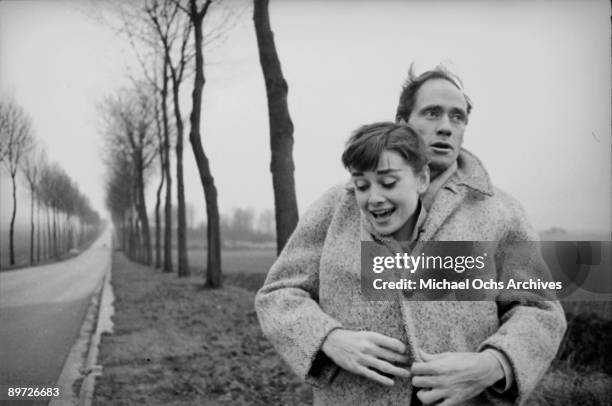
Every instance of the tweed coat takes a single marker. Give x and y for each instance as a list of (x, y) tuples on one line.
[(314, 288)]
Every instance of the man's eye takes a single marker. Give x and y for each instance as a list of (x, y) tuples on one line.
[(458, 117), (431, 114)]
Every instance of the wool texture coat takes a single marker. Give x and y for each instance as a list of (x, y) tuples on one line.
[(314, 287)]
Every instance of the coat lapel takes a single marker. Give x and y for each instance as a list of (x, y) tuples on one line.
[(469, 175), (446, 202)]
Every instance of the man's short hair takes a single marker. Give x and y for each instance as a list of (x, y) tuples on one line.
[(365, 146), (414, 82)]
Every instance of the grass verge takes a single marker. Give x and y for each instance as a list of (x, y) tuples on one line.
[(177, 344)]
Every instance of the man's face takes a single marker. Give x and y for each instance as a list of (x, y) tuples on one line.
[(439, 116)]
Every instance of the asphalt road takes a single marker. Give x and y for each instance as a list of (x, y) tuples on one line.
[(41, 312)]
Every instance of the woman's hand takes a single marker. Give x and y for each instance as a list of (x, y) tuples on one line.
[(451, 378), (367, 353)]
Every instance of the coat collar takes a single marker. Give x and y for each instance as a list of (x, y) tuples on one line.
[(470, 173)]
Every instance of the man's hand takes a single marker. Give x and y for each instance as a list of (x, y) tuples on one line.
[(367, 353), (454, 377)]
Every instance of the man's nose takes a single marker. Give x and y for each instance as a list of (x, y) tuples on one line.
[(444, 126)]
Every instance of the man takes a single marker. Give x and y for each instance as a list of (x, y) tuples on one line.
[(436, 107), (478, 352)]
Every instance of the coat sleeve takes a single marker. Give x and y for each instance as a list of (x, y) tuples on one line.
[(287, 304), (532, 323)]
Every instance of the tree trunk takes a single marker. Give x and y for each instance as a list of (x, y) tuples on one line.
[(168, 212), (183, 262), (132, 237), (32, 226), (49, 239), (55, 246), (281, 128), (125, 232), (38, 239), (141, 207), (12, 228), (167, 174), (213, 234), (158, 256)]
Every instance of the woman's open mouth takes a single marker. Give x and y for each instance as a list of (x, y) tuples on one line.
[(382, 214)]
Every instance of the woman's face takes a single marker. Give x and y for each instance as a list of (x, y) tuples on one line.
[(388, 196)]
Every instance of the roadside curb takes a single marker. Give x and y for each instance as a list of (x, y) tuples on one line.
[(103, 324)]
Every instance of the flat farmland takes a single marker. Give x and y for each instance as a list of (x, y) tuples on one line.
[(22, 246), (237, 260), (233, 260)]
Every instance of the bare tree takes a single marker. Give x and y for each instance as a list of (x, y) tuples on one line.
[(32, 168), (119, 197), (17, 139), (173, 32), (281, 127), (168, 200), (197, 13), (129, 120), (159, 131), (155, 30), (159, 31)]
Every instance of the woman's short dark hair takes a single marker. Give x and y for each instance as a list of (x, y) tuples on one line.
[(366, 144), (414, 82)]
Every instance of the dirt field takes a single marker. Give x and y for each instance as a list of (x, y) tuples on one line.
[(177, 344)]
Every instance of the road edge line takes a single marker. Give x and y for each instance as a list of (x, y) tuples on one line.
[(103, 324)]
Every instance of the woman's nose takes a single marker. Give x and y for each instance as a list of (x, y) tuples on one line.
[(376, 196)]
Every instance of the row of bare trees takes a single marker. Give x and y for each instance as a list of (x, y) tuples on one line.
[(132, 143), (169, 37), (61, 217)]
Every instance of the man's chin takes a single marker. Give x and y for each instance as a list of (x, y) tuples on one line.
[(439, 165)]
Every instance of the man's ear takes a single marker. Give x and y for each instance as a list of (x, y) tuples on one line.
[(423, 180)]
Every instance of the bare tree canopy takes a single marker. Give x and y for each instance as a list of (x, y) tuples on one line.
[(15, 133)]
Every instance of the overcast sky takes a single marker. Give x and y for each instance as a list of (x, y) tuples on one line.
[(538, 73)]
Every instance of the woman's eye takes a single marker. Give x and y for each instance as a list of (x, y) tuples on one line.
[(388, 184), (362, 187)]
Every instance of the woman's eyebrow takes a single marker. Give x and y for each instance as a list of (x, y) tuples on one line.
[(378, 172), (386, 171)]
